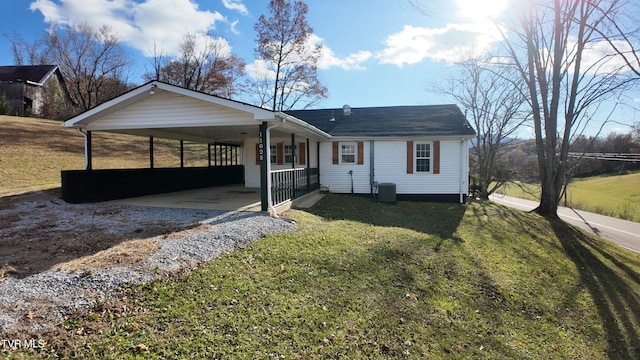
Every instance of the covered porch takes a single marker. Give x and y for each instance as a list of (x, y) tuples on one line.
[(240, 131)]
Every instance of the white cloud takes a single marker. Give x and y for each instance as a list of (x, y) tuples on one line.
[(352, 62), (452, 43), (236, 5), (479, 11), (233, 27), (600, 58), (138, 24), (620, 129), (329, 59), (262, 69)]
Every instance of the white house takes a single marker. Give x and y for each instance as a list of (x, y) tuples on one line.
[(422, 150)]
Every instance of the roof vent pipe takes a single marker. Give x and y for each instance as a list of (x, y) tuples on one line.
[(346, 110)]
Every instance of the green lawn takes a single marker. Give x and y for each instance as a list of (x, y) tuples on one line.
[(617, 196), (361, 279), (611, 195), (357, 280)]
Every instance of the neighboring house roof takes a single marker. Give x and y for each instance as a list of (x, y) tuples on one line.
[(392, 121), (36, 74)]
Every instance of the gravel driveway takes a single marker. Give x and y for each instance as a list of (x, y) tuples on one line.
[(58, 258)]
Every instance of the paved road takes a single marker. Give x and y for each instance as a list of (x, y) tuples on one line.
[(624, 233)]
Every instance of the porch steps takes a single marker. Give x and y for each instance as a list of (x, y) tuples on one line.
[(303, 202), (308, 200)]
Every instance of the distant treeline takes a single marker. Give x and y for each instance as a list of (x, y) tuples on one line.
[(519, 157)]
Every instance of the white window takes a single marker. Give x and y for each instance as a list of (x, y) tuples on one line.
[(348, 153), (274, 154), (288, 154), (423, 157)]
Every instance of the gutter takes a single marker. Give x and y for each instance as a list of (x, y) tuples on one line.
[(302, 124), (29, 82)]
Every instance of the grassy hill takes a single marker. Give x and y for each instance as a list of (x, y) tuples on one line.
[(364, 280), (611, 195), (359, 279), (33, 151)]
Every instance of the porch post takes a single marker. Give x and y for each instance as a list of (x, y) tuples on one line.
[(151, 152), (209, 154), (264, 157), (293, 166), (308, 166), (293, 151)]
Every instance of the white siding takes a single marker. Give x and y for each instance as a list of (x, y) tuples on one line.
[(252, 170), (391, 166), (337, 177), (162, 110)]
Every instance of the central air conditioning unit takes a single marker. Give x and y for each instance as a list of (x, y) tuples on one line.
[(387, 192)]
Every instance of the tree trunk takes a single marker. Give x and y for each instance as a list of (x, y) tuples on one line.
[(548, 200)]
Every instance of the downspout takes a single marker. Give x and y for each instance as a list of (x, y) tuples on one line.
[(268, 145), (372, 174), (462, 182), (86, 149)]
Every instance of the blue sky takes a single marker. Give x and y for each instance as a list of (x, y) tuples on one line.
[(376, 52)]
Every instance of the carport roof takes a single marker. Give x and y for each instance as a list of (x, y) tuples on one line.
[(162, 110)]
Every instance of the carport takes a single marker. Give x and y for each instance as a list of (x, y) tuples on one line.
[(160, 110)]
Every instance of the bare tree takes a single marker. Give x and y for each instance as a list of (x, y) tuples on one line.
[(27, 53), (635, 134), (158, 59), (493, 99), (89, 60), (553, 47), (93, 63), (291, 62), (203, 65)]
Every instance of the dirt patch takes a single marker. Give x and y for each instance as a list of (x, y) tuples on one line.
[(39, 231)]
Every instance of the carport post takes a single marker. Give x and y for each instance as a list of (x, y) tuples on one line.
[(87, 146), (181, 153), (151, 152), (262, 140)]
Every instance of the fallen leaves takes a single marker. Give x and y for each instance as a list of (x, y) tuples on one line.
[(141, 347)]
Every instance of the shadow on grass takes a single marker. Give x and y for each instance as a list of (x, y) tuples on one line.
[(416, 278), (441, 219), (609, 282)]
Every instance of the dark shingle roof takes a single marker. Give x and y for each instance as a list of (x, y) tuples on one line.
[(34, 73), (398, 121)]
